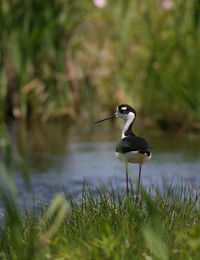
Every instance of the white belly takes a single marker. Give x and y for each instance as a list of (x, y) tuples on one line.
[(133, 157)]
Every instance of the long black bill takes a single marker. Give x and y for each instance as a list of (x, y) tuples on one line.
[(104, 119)]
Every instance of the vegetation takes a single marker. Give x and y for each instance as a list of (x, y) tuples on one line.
[(65, 58), (100, 224), (58, 59), (103, 225)]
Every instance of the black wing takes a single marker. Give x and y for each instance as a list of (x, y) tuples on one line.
[(133, 143)]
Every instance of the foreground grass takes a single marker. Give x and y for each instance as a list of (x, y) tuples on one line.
[(99, 224), (102, 225)]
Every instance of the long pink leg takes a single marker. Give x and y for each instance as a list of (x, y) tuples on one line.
[(138, 191), (127, 189)]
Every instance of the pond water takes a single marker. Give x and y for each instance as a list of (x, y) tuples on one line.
[(60, 157)]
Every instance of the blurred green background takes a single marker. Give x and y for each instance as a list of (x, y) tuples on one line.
[(68, 58)]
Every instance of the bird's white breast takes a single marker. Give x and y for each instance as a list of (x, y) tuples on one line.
[(133, 157)]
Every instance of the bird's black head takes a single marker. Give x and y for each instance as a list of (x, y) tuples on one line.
[(124, 109)]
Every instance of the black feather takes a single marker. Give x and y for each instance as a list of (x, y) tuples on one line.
[(133, 143)]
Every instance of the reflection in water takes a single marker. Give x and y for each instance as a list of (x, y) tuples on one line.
[(60, 157)]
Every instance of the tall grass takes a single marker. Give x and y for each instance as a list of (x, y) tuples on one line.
[(34, 55), (99, 224), (60, 59)]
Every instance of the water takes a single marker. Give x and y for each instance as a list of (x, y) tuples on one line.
[(60, 157)]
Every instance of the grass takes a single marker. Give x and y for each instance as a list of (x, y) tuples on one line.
[(103, 225), (99, 224), (65, 58)]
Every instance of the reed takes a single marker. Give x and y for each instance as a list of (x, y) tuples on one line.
[(61, 59)]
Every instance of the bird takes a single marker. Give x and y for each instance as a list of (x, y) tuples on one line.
[(131, 148)]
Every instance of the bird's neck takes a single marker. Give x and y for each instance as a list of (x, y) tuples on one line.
[(127, 128)]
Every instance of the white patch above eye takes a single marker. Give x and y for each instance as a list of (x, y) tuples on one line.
[(123, 108)]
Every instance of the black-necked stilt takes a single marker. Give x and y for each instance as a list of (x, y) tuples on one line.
[(131, 148)]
